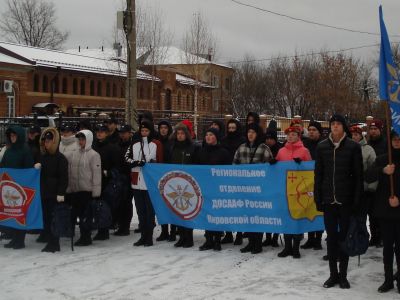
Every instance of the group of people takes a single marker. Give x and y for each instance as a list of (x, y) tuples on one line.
[(352, 177)]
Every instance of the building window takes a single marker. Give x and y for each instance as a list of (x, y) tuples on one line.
[(216, 104), (141, 93), (108, 90), (228, 84), (99, 89), (114, 93), (83, 89), (75, 86), (65, 86), (45, 84), (179, 99), (91, 87), (56, 87), (149, 93), (36, 83), (123, 91)]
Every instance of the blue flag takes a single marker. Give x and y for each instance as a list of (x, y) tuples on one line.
[(389, 87)]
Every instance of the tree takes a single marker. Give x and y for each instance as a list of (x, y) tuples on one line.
[(33, 23)]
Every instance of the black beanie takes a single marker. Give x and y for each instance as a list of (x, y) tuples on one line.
[(253, 126), (316, 125), (341, 119), (271, 134), (147, 124), (215, 132)]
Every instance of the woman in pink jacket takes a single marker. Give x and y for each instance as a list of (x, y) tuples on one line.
[(293, 150)]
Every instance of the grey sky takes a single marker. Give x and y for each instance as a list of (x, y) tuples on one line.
[(242, 30)]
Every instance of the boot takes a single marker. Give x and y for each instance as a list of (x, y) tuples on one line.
[(257, 244), (343, 282), (84, 240), (42, 238), (102, 235), (296, 248), (228, 238), (141, 241), (268, 240), (208, 245), (288, 250), (10, 244), (148, 238), (388, 284), (52, 247), (318, 241), (217, 242), (137, 230), (249, 247), (238, 239), (122, 232), (180, 242), (164, 236), (19, 240), (188, 238), (310, 242), (274, 243), (343, 264), (332, 281)]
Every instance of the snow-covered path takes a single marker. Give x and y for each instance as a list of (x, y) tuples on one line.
[(115, 270)]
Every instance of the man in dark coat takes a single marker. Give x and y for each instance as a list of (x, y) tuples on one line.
[(53, 183), (110, 160), (219, 125), (337, 191), (17, 156), (113, 135), (377, 141), (234, 137), (34, 142), (386, 208), (212, 153), (311, 143)]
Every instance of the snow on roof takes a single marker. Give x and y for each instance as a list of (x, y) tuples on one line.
[(190, 81), (11, 60), (72, 61)]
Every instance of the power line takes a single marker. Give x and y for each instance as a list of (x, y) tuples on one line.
[(301, 55), (308, 21)]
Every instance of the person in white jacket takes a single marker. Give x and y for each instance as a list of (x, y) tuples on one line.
[(68, 141), (84, 181), (137, 155)]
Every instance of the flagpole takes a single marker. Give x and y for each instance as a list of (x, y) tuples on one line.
[(389, 143)]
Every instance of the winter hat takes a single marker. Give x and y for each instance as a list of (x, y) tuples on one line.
[(316, 125), (271, 134), (125, 128), (35, 129), (164, 122), (189, 126), (102, 127), (146, 124), (338, 118), (293, 129), (355, 129), (215, 132), (253, 126), (394, 134), (377, 123)]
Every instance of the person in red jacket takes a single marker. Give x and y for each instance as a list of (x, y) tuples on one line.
[(293, 150)]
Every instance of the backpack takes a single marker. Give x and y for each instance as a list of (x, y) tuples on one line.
[(61, 225), (357, 238), (98, 215), (113, 190)]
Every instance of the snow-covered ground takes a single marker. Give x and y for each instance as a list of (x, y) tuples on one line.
[(114, 269)]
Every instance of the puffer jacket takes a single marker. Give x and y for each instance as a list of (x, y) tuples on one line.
[(369, 156), (140, 151), (17, 155), (68, 145), (54, 171), (293, 150), (338, 175), (84, 172)]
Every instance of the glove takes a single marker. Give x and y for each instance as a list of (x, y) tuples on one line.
[(273, 161), (135, 164), (141, 163), (37, 166), (320, 206), (60, 198), (297, 160)]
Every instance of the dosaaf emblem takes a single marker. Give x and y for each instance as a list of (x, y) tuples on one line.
[(300, 195), (14, 200), (181, 193)]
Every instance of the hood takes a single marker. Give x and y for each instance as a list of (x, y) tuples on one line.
[(255, 115), (221, 125), (68, 140), (89, 138), (181, 126), (56, 140), (21, 135), (164, 122), (238, 132)]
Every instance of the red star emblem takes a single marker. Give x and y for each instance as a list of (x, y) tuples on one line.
[(14, 200)]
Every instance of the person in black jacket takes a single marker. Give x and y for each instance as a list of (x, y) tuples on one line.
[(337, 190), (34, 142), (252, 117), (377, 141), (182, 150), (311, 143), (113, 135), (110, 160), (53, 182), (386, 209), (212, 153), (219, 125), (125, 210)]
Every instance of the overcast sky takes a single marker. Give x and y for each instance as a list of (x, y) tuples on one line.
[(241, 30)]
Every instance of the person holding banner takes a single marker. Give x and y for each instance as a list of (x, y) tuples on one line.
[(17, 156), (53, 183), (212, 153), (338, 186), (387, 209), (137, 156), (293, 150), (254, 151)]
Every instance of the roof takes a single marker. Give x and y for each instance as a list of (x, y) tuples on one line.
[(11, 60), (190, 81), (69, 61)]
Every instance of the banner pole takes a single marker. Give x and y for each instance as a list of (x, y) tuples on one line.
[(389, 143)]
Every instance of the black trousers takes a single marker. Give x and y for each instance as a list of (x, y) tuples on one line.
[(391, 245), (48, 207), (125, 210), (80, 202), (145, 210), (337, 220)]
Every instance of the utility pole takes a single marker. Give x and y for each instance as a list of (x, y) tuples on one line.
[(131, 80)]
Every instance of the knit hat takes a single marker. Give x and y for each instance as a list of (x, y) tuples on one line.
[(253, 126), (189, 126), (316, 125), (271, 134), (147, 124), (102, 127), (35, 129), (356, 129), (125, 128), (215, 132), (293, 129), (377, 123)]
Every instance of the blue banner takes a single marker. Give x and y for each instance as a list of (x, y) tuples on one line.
[(240, 198), (389, 85), (20, 202)]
